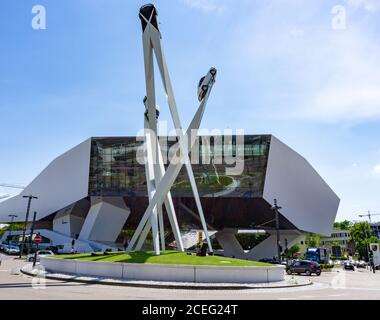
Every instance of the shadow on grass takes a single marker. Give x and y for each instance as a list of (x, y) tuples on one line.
[(105, 256), (143, 256), (132, 257), (96, 257)]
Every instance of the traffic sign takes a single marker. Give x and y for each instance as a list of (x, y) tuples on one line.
[(37, 239)]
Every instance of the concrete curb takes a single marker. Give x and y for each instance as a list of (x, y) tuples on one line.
[(156, 285), (166, 272)]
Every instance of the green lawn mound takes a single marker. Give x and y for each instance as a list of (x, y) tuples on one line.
[(166, 257)]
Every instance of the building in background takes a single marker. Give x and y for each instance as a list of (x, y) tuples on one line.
[(97, 189), (337, 243), (375, 226)]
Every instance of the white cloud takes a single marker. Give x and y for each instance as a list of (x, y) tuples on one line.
[(341, 102), (207, 6), (330, 75), (351, 93), (369, 5), (377, 169)]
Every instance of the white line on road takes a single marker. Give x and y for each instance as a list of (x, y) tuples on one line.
[(355, 288)]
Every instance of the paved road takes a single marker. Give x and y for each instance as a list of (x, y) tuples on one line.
[(333, 285)]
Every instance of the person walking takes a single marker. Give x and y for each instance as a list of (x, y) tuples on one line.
[(372, 264), (126, 243)]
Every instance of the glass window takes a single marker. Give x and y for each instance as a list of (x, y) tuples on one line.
[(115, 171)]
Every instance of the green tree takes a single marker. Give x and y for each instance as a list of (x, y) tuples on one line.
[(361, 234), (292, 250), (12, 227), (313, 240), (343, 225)]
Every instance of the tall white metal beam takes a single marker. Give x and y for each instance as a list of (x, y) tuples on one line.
[(163, 181)]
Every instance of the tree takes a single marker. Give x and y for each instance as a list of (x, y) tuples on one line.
[(11, 227), (292, 250), (361, 234), (343, 225), (313, 240)]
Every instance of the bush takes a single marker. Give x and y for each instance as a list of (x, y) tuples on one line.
[(327, 266), (338, 258)]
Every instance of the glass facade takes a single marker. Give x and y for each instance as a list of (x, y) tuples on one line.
[(115, 171)]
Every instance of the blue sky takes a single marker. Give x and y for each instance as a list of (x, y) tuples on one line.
[(282, 69)]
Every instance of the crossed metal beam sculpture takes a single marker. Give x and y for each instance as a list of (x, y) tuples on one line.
[(159, 181)]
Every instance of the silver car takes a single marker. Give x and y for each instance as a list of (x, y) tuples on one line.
[(12, 250), (205, 83), (40, 253)]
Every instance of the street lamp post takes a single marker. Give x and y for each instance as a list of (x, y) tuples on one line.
[(275, 208), (30, 198), (12, 216)]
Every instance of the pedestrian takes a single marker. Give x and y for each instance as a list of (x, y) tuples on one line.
[(125, 244), (372, 263)]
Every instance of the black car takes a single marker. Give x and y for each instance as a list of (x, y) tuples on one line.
[(348, 265), (304, 266)]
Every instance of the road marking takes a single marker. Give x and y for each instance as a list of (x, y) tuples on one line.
[(365, 289)]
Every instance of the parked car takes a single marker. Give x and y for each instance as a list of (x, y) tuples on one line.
[(12, 250), (304, 266), (348, 265), (40, 253), (3, 247), (361, 264)]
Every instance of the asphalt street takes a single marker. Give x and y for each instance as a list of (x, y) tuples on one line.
[(335, 285)]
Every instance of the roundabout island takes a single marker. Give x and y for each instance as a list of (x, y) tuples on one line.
[(169, 266)]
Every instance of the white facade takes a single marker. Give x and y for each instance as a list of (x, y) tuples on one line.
[(337, 237), (63, 182), (306, 199)]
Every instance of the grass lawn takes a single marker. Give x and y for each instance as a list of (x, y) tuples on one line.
[(166, 257)]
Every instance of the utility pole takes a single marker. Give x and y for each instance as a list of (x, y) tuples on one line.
[(12, 216), (275, 208), (32, 228), (30, 198)]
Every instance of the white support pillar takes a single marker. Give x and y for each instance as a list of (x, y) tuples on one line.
[(105, 219)]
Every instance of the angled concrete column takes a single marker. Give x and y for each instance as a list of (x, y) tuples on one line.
[(268, 248), (230, 245), (265, 249), (69, 220), (105, 219)]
